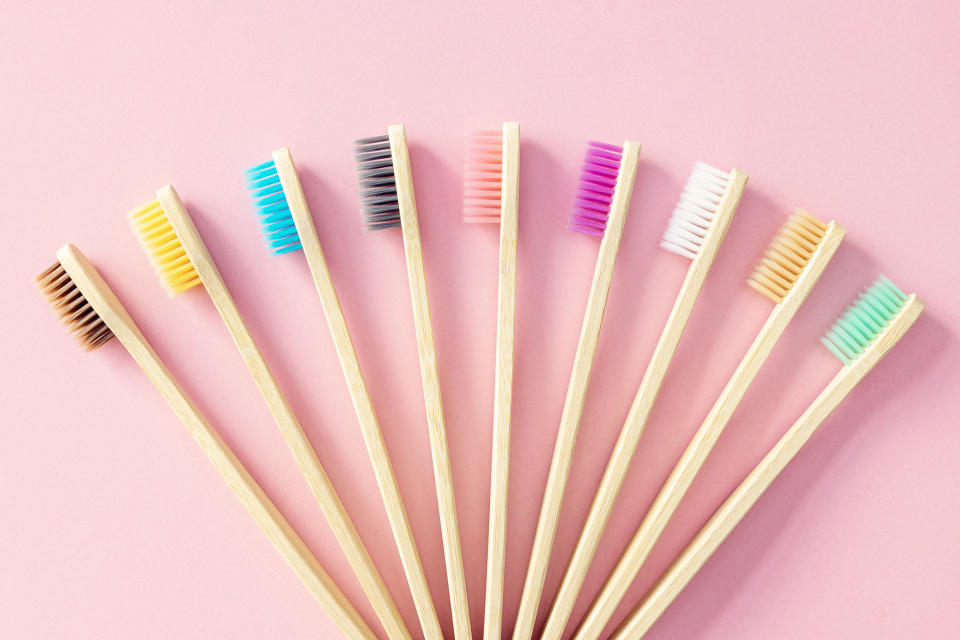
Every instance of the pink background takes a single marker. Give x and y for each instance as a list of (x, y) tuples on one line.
[(115, 525)]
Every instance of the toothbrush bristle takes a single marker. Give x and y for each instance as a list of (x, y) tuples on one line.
[(864, 320), (161, 243), (482, 177), (696, 210), (598, 180), (277, 223), (788, 254), (378, 186), (72, 308)]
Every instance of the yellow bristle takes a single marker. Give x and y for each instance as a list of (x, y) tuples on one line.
[(787, 256), (164, 248)]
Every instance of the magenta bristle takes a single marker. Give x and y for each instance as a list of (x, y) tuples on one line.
[(598, 179), (483, 168)]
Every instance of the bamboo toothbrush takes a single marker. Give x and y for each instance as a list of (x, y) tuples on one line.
[(386, 191), (288, 226), (786, 274), (490, 194), (603, 200), (696, 229), (860, 338), (94, 314), (182, 262)]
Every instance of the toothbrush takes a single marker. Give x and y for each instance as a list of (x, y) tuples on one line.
[(386, 191), (697, 228), (94, 314), (786, 274), (860, 339), (182, 261), (288, 226), (490, 194), (600, 209)]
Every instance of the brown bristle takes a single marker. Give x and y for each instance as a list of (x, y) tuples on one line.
[(72, 308), (787, 256)]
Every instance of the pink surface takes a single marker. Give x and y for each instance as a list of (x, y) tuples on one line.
[(115, 525)]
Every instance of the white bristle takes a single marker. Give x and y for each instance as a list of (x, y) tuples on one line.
[(696, 210)]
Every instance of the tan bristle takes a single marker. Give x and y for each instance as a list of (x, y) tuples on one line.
[(164, 248), (482, 177), (787, 255), (72, 308)]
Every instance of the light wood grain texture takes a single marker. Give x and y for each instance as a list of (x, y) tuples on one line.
[(732, 511), (576, 395), (693, 458), (619, 462), (426, 349), (643, 402), (683, 474), (303, 452), (503, 381), (363, 406), (280, 533)]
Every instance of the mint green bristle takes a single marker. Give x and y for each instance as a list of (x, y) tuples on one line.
[(864, 320)]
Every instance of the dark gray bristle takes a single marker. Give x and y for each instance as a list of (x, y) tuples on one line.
[(378, 186)]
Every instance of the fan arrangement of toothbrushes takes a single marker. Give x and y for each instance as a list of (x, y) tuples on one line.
[(786, 274)]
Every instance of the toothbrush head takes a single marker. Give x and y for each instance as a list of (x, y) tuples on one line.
[(598, 181), (696, 211), (864, 320), (787, 255), (378, 185), (166, 252), (273, 208), (72, 308), (483, 177)]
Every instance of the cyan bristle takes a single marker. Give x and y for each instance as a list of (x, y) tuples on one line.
[(272, 208), (378, 185), (598, 180), (864, 320)]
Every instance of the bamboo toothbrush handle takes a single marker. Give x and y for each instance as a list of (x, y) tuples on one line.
[(369, 426), (696, 554), (629, 437), (696, 453), (576, 395), (503, 382), (686, 469), (713, 425), (443, 475), (303, 452), (284, 538)]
